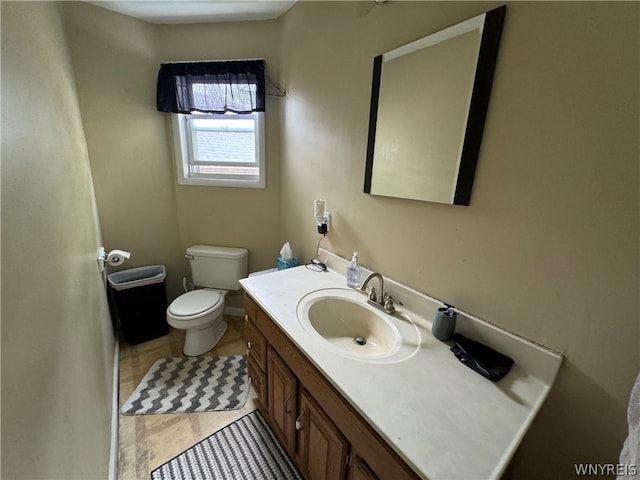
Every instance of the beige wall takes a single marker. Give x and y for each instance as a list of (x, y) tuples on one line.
[(116, 66), (57, 338), (549, 247), (235, 217), (143, 209)]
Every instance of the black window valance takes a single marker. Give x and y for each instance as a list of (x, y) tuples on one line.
[(213, 87)]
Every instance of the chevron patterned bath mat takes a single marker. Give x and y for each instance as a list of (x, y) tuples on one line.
[(247, 449), (201, 384)]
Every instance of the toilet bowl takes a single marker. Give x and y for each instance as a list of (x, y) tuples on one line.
[(215, 271), (200, 313)]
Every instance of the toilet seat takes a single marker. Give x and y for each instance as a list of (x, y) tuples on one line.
[(201, 313), (196, 303)]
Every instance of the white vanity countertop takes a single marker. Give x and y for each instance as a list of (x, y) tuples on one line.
[(442, 418)]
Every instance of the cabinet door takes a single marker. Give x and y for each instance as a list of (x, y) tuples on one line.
[(282, 387), (251, 307), (258, 379), (359, 470), (322, 449), (257, 345)]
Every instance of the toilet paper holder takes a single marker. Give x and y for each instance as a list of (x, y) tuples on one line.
[(114, 257)]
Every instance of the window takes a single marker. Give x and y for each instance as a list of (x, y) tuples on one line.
[(218, 121), (220, 149)]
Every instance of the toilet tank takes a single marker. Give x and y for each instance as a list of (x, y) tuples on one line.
[(217, 267)]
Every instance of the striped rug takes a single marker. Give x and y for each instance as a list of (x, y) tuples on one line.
[(198, 384), (247, 449)]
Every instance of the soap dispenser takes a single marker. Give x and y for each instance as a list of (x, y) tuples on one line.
[(444, 323), (353, 272)]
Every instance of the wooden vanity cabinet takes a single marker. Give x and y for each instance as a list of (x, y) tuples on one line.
[(258, 379), (332, 441), (359, 470), (322, 450), (282, 387), (257, 361), (257, 345)]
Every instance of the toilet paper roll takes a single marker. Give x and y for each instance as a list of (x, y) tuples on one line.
[(117, 257)]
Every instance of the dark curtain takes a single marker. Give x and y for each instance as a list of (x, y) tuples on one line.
[(212, 87)]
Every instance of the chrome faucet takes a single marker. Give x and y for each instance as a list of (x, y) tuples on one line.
[(380, 300)]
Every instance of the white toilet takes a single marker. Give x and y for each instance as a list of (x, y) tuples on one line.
[(199, 312)]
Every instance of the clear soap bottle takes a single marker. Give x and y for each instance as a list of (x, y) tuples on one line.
[(353, 272)]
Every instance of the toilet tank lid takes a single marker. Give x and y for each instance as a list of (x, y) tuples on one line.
[(217, 252)]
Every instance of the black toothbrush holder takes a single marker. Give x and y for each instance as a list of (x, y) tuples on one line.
[(444, 323)]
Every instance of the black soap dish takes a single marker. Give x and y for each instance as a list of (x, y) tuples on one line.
[(480, 358)]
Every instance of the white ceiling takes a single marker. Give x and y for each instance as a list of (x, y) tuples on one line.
[(198, 11)]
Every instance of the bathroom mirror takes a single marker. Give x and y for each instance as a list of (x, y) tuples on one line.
[(429, 101)]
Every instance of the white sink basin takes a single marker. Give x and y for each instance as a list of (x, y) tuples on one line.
[(343, 321)]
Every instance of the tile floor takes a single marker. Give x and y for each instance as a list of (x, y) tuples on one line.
[(148, 441)]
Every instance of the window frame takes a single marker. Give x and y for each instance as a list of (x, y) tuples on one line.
[(182, 135)]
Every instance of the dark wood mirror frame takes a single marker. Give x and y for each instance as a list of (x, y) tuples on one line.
[(481, 91)]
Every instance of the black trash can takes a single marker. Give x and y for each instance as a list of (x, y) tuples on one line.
[(140, 299)]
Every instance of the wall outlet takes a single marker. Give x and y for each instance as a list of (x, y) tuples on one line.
[(323, 227)]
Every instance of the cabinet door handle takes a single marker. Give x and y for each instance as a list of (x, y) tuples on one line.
[(299, 421), (250, 345), (287, 406)]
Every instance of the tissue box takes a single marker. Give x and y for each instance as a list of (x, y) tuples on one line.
[(282, 264)]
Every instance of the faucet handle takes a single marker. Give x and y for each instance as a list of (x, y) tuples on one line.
[(388, 303), (371, 295)]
